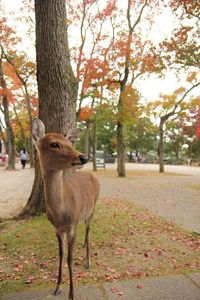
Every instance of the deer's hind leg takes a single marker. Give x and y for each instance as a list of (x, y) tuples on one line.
[(87, 243)]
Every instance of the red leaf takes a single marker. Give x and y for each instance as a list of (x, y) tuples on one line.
[(115, 290), (140, 286), (44, 264), (31, 279)]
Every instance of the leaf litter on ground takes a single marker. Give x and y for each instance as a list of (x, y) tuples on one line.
[(127, 241)]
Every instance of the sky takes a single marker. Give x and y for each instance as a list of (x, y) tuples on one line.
[(150, 87)]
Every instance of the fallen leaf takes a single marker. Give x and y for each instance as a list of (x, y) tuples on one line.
[(111, 270), (140, 286), (44, 264), (114, 290), (30, 279)]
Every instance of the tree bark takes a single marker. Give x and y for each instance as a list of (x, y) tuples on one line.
[(161, 147), (29, 110), (120, 151), (35, 205), (120, 130), (177, 151), (57, 86)]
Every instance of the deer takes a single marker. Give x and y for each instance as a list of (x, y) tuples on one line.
[(70, 195)]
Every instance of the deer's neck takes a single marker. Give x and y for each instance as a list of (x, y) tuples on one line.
[(53, 186)]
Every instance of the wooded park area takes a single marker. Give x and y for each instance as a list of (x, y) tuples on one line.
[(92, 61)]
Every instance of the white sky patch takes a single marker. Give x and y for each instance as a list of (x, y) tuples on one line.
[(163, 27), (11, 5)]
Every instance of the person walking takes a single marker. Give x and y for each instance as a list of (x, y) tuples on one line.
[(23, 157)]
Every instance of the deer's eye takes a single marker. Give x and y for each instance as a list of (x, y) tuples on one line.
[(54, 145)]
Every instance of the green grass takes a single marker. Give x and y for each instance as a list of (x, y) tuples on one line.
[(126, 242), (196, 187)]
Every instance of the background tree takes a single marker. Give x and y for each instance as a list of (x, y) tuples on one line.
[(132, 56), (18, 74), (119, 54), (4, 106), (57, 87), (170, 106), (7, 40), (23, 70), (174, 139), (182, 48), (141, 138)]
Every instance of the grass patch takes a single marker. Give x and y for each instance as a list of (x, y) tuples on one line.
[(196, 187), (126, 242)]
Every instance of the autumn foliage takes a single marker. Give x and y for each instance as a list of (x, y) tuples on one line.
[(197, 125), (86, 113)]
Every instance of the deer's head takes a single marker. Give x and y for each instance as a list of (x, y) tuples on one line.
[(56, 151)]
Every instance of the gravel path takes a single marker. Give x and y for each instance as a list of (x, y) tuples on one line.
[(15, 190), (169, 195)]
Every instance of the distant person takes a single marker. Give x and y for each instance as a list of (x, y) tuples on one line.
[(23, 158)]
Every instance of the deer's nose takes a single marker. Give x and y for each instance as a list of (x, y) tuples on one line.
[(83, 159)]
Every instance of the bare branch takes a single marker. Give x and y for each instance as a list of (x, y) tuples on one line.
[(129, 40), (132, 27)]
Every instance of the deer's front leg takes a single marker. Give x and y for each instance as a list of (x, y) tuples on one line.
[(60, 237), (71, 237)]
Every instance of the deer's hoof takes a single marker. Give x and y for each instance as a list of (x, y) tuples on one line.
[(57, 292)]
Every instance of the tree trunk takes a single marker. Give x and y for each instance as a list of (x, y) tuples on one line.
[(57, 86), (120, 134), (177, 149), (35, 205), (29, 110), (131, 156), (87, 139), (94, 148), (9, 131), (161, 148), (137, 155), (120, 151)]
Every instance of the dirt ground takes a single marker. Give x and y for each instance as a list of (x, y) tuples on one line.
[(170, 195), (15, 190)]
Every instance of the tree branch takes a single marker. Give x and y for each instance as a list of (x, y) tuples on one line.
[(129, 40), (191, 12), (173, 111), (132, 28)]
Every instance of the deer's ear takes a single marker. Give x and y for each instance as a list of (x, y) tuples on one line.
[(73, 135), (38, 131)]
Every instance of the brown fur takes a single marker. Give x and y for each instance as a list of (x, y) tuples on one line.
[(70, 196)]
